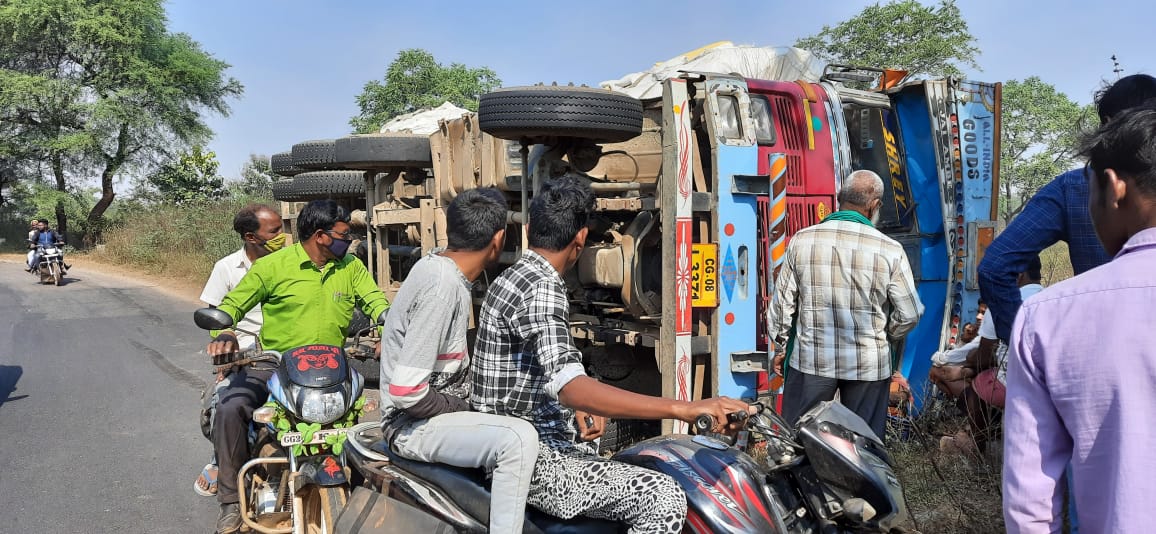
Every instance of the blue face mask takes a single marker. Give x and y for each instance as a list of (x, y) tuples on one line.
[(339, 247)]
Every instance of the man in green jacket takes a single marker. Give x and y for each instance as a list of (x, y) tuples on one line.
[(307, 293)]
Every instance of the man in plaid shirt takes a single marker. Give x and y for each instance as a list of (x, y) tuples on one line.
[(847, 290), (526, 365)]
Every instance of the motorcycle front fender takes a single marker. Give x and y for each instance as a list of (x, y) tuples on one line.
[(323, 470)]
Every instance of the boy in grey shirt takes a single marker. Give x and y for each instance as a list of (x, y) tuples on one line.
[(425, 364)]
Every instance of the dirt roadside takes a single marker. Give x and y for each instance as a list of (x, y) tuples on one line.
[(182, 288)]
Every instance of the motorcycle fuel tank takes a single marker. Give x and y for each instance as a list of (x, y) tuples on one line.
[(724, 488)]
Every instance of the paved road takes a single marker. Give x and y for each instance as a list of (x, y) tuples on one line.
[(100, 382)]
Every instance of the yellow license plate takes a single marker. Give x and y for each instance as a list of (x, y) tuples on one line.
[(704, 275)]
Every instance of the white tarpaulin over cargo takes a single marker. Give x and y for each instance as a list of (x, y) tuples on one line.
[(762, 63), (424, 122)]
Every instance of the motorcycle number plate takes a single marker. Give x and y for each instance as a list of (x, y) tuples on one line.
[(294, 438)]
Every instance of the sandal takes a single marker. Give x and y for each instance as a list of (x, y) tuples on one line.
[(206, 483)]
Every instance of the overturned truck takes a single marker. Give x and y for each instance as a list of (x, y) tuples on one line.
[(698, 192)]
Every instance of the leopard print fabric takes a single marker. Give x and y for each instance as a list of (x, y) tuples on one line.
[(570, 482)]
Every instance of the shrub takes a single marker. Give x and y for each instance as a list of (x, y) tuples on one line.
[(178, 241)]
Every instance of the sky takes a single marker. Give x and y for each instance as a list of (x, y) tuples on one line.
[(303, 62)]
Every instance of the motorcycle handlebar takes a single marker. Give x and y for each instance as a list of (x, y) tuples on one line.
[(706, 421)]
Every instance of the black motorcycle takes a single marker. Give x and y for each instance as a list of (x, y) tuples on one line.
[(298, 481), (828, 474)]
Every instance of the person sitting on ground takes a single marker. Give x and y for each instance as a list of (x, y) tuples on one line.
[(988, 365), (949, 371)]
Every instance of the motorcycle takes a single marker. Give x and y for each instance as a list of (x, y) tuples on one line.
[(51, 266), (298, 482), (827, 474)]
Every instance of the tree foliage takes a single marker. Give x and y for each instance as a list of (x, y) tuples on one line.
[(192, 178), (94, 89), (1039, 136), (926, 41), (415, 80), (257, 178)]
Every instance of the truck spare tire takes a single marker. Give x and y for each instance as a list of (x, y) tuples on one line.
[(539, 112), (281, 164), (315, 155), (329, 184), (382, 151)]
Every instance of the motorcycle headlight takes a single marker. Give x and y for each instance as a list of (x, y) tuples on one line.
[(324, 408)]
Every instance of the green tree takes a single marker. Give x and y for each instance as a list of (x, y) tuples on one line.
[(415, 80), (192, 178), (94, 89), (256, 178), (1040, 129), (907, 35)]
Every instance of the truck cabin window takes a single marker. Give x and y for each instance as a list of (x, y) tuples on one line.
[(873, 136)]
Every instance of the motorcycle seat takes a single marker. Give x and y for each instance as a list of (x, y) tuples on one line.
[(470, 490)]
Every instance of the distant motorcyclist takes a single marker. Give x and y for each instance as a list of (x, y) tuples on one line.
[(33, 231), (43, 237)]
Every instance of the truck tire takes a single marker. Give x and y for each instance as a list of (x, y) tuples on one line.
[(329, 184), (283, 191), (282, 164), (315, 155), (538, 112), (381, 151)]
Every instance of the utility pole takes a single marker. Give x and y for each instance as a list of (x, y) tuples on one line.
[(1116, 67)]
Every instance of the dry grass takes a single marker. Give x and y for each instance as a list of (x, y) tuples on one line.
[(176, 241), (947, 492)]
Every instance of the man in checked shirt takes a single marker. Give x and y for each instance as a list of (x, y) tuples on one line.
[(526, 365), (848, 291)]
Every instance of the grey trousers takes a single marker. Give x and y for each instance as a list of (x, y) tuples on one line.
[(246, 392), (506, 445), (868, 399)]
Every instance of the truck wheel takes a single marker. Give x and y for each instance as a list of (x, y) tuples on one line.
[(315, 155), (329, 184), (539, 112), (380, 151), (281, 164), (283, 191)]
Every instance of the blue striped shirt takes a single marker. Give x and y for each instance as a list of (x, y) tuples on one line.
[(1058, 212)]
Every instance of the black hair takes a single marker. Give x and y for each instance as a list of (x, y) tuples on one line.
[(1127, 92), (558, 212), (45, 221), (473, 218), (1035, 269), (246, 220), (1127, 145), (319, 215)]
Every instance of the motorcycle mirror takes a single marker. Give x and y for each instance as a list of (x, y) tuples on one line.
[(212, 319)]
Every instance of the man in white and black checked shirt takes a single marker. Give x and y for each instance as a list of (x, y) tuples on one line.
[(526, 365), (848, 291)]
